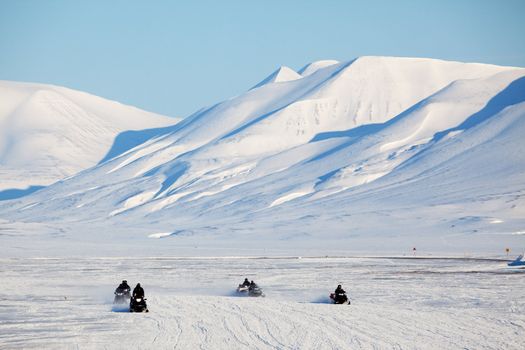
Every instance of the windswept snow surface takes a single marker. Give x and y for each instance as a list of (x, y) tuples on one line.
[(374, 154), (396, 304), (48, 133)]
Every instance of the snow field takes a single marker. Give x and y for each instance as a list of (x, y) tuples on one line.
[(396, 303)]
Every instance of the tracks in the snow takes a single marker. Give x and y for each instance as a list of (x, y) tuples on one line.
[(440, 306)]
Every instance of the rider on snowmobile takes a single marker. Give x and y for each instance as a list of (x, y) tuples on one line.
[(138, 303), (122, 293), (339, 290), (339, 295), (253, 285), (246, 283), (138, 292), (123, 287)]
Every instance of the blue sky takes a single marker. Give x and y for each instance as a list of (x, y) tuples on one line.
[(173, 57)]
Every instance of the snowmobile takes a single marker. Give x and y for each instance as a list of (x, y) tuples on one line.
[(138, 304), (122, 296), (517, 262), (242, 289), (255, 291), (339, 298)]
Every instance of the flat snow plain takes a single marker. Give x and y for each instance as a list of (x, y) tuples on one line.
[(397, 303)]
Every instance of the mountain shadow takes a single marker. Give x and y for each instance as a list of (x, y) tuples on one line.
[(14, 193)]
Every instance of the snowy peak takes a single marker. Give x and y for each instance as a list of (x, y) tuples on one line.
[(340, 96), (375, 89), (315, 66), (280, 75)]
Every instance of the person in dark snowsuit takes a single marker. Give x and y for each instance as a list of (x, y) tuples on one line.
[(252, 285), (122, 293), (138, 302), (123, 287), (340, 295), (138, 292), (246, 283), (339, 290)]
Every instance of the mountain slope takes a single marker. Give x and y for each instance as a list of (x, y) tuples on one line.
[(365, 151), (48, 132)]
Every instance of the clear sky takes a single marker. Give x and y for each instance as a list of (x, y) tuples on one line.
[(173, 57)]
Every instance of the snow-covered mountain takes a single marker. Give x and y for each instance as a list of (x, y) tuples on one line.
[(48, 133), (375, 153)]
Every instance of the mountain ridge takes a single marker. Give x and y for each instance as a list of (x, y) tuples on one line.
[(50, 132), (315, 154)]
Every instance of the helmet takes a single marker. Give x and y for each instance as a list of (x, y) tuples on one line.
[(124, 281), (338, 286), (138, 284)]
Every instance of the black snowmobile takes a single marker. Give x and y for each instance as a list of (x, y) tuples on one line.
[(339, 296), (243, 287), (138, 304), (122, 297), (255, 291), (122, 293)]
